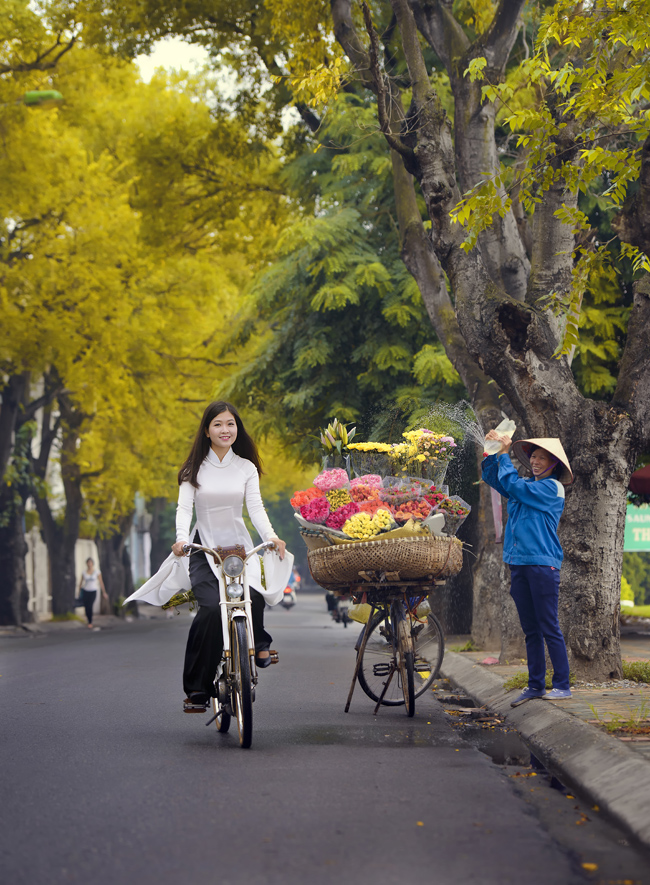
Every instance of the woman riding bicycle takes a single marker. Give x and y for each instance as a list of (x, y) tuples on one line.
[(221, 473)]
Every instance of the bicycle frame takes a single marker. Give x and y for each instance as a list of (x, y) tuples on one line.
[(235, 608)]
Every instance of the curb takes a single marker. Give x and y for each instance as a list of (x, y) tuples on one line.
[(588, 761)]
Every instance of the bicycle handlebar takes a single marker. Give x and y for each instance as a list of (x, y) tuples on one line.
[(187, 548)]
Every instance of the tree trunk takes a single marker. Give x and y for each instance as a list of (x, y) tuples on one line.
[(14, 594), (60, 535), (13, 396), (115, 565), (161, 531)]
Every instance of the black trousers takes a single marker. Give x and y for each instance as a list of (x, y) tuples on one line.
[(205, 640), (88, 597)]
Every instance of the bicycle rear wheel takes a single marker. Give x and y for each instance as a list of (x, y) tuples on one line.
[(242, 688)]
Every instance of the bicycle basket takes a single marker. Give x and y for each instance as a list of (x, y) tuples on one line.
[(411, 557)]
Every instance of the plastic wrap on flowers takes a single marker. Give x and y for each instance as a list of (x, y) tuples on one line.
[(435, 472), (332, 479), (360, 493), (336, 461), (374, 458), (396, 491), (456, 512), (370, 480), (417, 509)]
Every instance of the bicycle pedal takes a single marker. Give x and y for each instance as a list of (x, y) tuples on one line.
[(275, 657), (381, 669), (189, 707)]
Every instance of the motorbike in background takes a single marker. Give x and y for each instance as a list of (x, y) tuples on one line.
[(288, 597), (338, 607)]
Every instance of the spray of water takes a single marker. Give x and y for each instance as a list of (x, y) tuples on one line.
[(457, 419)]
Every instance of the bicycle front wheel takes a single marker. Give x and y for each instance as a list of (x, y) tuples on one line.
[(222, 720), (379, 663), (379, 658), (429, 649), (242, 688)]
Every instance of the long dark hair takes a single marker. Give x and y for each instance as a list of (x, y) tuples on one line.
[(243, 445)]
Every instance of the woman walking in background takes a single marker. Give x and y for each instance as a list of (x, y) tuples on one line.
[(91, 582)]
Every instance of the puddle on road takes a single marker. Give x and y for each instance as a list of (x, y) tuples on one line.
[(480, 728), (456, 723)]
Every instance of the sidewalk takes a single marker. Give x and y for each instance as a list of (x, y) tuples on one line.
[(612, 772), (103, 622)]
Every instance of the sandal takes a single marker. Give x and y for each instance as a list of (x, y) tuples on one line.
[(266, 662)]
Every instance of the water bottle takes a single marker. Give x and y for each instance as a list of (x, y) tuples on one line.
[(506, 428)]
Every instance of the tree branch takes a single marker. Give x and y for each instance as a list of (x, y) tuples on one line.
[(502, 33), (632, 393), (380, 89)]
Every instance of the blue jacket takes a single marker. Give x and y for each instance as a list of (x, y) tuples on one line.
[(534, 510)]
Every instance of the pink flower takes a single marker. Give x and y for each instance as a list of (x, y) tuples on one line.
[(331, 479), (316, 511), (335, 520), (370, 479)]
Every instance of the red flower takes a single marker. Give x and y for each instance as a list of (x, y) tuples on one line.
[(335, 520)]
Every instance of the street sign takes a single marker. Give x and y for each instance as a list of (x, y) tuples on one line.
[(637, 528)]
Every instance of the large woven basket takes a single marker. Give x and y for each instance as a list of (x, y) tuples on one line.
[(410, 557)]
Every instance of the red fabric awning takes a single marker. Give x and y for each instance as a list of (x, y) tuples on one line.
[(640, 481)]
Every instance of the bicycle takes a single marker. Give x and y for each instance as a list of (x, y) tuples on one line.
[(398, 653), (237, 673)]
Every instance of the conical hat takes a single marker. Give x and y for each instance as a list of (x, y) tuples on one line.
[(523, 449)]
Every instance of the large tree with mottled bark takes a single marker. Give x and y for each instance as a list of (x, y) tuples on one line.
[(545, 109)]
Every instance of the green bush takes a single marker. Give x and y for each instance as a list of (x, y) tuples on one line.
[(637, 671), (627, 593), (520, 680)]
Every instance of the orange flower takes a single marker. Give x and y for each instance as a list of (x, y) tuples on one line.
[(301, 498)]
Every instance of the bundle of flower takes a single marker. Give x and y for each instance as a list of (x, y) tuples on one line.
[(337, 518), (373, 506), (395, 492), (425, 453), (417, 509), (360, 493), (371, 457), (338, 498), (434, 497), (317, 510), (300, 498), (363, 525), (456, 512), (372, 480), (332, 479)]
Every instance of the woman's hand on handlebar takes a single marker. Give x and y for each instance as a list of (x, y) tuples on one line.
[(279, 546), (177, 548)]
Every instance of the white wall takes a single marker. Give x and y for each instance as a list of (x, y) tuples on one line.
[(38, 574)]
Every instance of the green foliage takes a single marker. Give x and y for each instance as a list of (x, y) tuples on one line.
[(587, 77), (627, 593), (519, 680), (338, 323), (637, 671), (636, 570)]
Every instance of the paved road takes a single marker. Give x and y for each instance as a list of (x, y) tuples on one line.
[(105, 780)]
